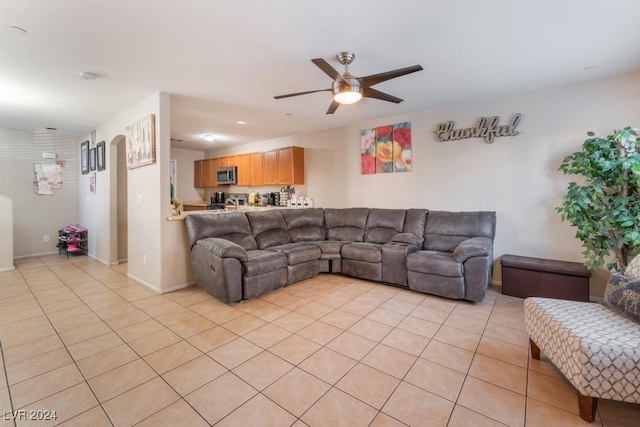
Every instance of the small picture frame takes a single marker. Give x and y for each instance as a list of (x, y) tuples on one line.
[(101, 156), (84, 157), (92, 182), (92, 159)]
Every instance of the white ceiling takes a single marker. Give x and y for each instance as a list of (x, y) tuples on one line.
[(224, 61)]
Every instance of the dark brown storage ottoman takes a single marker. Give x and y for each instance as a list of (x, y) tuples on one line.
[(536, 277)]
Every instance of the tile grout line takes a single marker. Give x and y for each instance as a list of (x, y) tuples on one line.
[(6, 382), (65, 345)]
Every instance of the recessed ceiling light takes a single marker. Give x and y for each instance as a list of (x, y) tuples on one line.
[(241, 122), (19, 29), (88, 76), (209, 137)]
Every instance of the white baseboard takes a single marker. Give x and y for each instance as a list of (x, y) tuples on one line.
[(36, 255), (158, 290), (13, 267), (143, 283)]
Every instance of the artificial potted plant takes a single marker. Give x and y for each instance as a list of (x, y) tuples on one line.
[(606, 208)]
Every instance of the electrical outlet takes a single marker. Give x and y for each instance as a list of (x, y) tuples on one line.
[(46, 238), (139, 200), (144, 260)]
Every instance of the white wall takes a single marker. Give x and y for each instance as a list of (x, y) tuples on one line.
[(150, 253), (515, 176), (6, 231), (184, 187), (35, 216)]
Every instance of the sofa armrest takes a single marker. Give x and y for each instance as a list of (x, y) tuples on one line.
[(473, 247), (406, 238), (223, 248)]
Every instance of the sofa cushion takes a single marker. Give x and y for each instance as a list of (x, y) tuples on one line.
[(304, 225), (331, 246), (346, 224), (223, 248), (622, 295), (406, 238), (474, 247), (383, 224), (262, 261), (298, 252), (415, 221), (362, 251), (268, 228), (445, 230), (434, 262), (232, 226)]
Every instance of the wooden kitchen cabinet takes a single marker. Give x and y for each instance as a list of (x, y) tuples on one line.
[(290, 168), (270, 167), (255, 169), (228, 161), (242, 162), (207, 173), (197, 174)]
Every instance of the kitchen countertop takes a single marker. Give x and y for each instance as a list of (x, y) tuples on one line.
[(182, 216)]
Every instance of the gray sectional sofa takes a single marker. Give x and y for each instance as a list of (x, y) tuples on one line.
[(241, 255)]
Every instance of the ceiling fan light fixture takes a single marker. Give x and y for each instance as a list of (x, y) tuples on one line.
[(347, 93)]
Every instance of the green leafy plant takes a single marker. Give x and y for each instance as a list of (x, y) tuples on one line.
[(606, 208)]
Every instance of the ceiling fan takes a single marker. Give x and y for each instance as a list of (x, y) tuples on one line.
[(348, 89)]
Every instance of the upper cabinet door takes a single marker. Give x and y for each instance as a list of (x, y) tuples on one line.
[(290, 165), (197, 174), (255, 168), (244, 172), (270, 167)]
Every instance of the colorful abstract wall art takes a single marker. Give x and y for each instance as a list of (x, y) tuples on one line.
[(386, 149)]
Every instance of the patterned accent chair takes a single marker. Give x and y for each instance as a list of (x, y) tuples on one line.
[(597, 349)]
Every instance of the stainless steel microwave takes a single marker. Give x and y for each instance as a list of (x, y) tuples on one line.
[(227, 175)]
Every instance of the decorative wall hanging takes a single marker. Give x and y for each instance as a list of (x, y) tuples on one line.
[(386, 149), (84, 157), (92, 182), (487, 128), (101, 156), (47, 176), (141, 143)]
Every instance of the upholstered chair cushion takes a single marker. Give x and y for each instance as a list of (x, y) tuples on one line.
[(633, 268), (383, 224), (346, 224), (268, 228), (304, 225), (406, 238), (232, 226), (445, 230), (622, 295)]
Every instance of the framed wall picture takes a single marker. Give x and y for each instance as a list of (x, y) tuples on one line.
[(92, 182), (92, 159), (101, 160), (141, 142), (84, 157)]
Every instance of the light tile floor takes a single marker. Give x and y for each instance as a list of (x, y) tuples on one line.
[(83, 340)]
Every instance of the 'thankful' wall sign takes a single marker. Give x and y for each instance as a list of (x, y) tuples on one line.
[(487, 128)]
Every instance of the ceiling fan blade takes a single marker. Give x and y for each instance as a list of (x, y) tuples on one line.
[(333, 107), (372, 93), (374, 79), (328, 69), (301, 93)]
